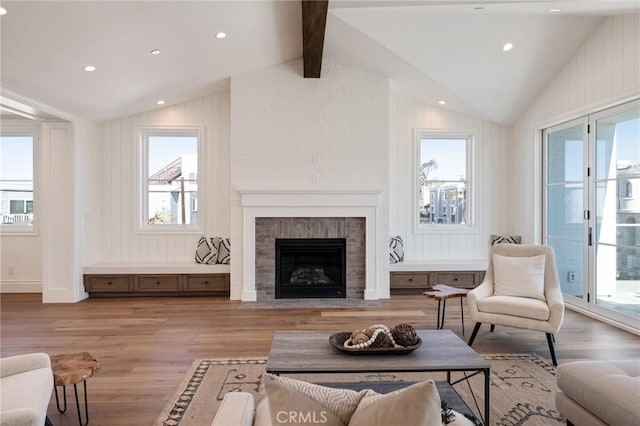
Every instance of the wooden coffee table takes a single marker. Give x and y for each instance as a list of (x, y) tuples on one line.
[(305, 352)]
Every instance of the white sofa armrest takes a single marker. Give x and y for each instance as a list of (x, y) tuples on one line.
[(236, 409), (21, 363)]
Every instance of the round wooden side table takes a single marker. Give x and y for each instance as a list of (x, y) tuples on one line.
[(443, 292), (71, 369)]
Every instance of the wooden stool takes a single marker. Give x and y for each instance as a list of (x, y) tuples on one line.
[(71, 369), (443, 292)]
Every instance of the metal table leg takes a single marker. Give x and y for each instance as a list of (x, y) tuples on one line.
[(487, 376), (444, 306), (462, 316), (86, 406)]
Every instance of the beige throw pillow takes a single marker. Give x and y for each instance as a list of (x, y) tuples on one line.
[(519, 276), (415, 405)]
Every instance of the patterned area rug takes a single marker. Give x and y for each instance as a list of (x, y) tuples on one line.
[(522, 391)]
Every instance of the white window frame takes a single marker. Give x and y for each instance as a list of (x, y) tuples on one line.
[(20, 128), (470, 225), (142, 135)]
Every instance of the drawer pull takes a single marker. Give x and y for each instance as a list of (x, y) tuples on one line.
[(455, 279), (109, 283), (157, 282), (206, 282), (410, 279)]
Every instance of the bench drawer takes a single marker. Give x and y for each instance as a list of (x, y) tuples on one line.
[(410, 280), (108, 283), (456, 279), (206, 283), (157, 283)]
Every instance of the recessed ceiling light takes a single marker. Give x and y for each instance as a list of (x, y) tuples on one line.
[(441, 102), (89, 68), (160, 102), (155, 52), (479, 8), (3, 11), (555, 10), (221, 34), (507, 47)]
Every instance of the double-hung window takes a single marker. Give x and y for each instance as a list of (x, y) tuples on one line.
[(444, 180), (17, 170), (169, 178)]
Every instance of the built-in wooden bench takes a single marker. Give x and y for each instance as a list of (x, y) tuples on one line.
[(415, 277), (107, 279)]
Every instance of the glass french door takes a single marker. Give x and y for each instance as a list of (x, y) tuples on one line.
[(592, 210)]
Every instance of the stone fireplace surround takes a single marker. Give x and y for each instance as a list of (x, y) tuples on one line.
[(309, 205), (268, 229)]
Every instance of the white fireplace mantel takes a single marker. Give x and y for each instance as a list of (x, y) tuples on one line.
[(312, 203)]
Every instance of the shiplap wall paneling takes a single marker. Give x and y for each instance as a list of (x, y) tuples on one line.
[(406, 115), (122, 242), (604, 71), (281, 122)]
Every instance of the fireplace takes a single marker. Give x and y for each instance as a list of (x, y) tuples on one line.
[(269, 214), (310, 267)]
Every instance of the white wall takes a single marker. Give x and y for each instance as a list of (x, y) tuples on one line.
[(117, 236), (88, 203), (492, 198), (285, 128), (604, 71), (58, 220)]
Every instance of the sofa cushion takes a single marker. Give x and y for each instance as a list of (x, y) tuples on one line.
[(515, 306), (416, 405), (610, 390), (519, 276)]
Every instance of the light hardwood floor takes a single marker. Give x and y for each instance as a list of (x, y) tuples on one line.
[(145, 345)]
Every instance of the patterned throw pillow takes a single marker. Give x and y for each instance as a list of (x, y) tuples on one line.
[(396, 249), (505, 239), (224, 251), (207, 250), (329, 406)]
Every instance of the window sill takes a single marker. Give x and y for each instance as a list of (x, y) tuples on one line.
[(170, 230), (446, 229), (21, 231)]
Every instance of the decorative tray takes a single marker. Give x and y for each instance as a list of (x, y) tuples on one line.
[(337, 341)]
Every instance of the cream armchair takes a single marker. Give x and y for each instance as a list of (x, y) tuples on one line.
[(26, 382), (542, 312)]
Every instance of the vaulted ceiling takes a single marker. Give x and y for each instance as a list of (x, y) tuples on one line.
[(431, 50)]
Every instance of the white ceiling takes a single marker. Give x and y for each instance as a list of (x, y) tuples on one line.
[(431, 50)]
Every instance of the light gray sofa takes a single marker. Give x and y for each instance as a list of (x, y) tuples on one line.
[(26, 382), (596, 393), (239, 409)]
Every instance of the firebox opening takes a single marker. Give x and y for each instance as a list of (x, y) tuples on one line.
[(310, 267)]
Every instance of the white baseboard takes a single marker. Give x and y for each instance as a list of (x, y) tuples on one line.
[(21, 286)]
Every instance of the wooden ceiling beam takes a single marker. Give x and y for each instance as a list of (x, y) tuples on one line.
[(314, 20)]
